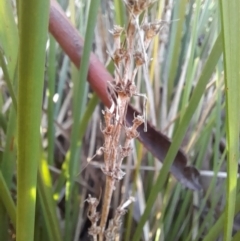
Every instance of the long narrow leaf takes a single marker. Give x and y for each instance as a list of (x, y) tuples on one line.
[(33, 22), (230, 12), (8, 36), (7, 200)]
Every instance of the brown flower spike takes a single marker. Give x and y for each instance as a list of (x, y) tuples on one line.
[(127, 61)]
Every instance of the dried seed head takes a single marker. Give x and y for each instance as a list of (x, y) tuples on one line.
[(136, 7), (138, 120), (131, 34), (144, 4), (116, 32), (93, 215), (121, 90), (139, 58), (151, 29), (94, 230), (92, 201), (130, 88), (131, 133), (125, 151), (119, 55), (115, 223)]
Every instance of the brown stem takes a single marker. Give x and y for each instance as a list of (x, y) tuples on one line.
[(109, 187), (110, 165)]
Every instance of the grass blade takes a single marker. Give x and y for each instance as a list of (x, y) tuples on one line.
[(33, 27), (8, 36), (215, 231), (7, 200), (230, 13), (47, 202)]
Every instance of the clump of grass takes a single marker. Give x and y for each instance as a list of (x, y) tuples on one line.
[(186, 76)]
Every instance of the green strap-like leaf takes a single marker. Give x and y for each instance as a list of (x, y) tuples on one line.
[(230, 13)]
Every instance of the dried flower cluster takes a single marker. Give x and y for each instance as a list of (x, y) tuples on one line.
[(128, 56)]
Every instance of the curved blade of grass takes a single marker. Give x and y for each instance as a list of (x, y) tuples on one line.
[(210, 190), (8, 167), (7, 200), (196, 96), (8, 163), (191, 49), (209, 216), (175, 44), (87, 115), (221, 222), (77, 111), (8, 80), (33, 23), (8, 59), (8, 36), (182, 213), (230, 14), (169, 215), (47, 202)]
